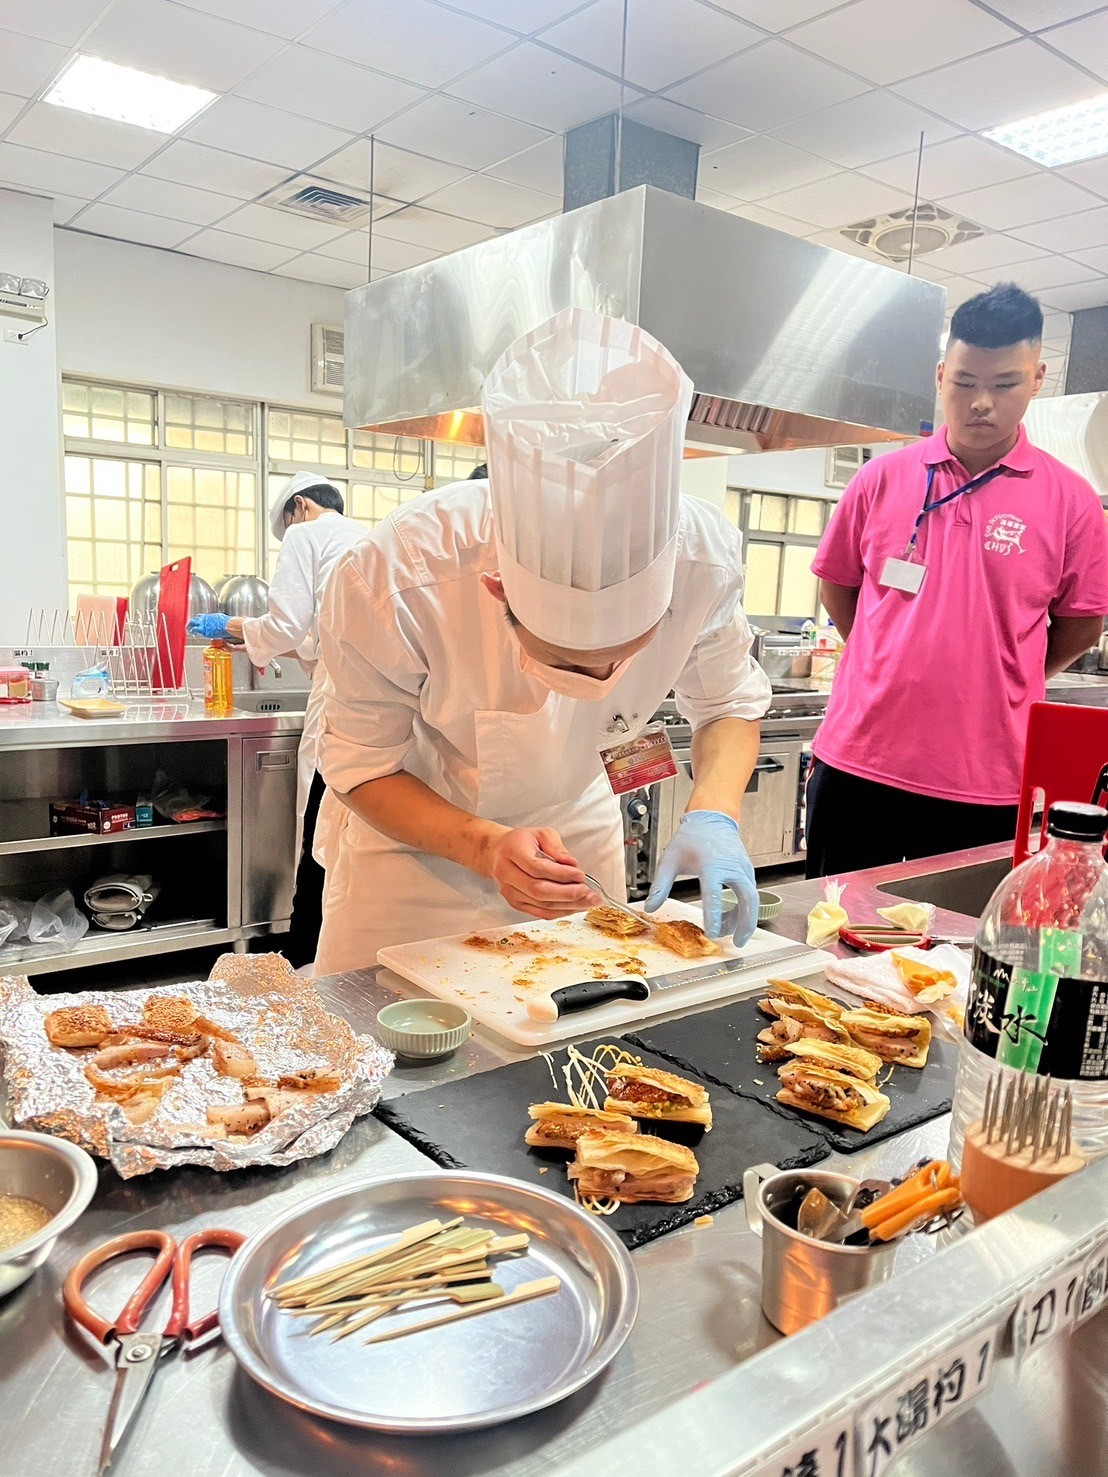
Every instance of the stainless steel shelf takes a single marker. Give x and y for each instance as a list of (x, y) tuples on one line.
[(27, 844), (110, 948)]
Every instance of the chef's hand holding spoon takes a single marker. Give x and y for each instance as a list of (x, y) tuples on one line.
[(536, 875)]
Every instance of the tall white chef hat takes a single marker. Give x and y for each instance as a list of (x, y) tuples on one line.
[(584, 423), (298, 482)]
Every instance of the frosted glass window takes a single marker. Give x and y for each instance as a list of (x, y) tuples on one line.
[(763, 568)]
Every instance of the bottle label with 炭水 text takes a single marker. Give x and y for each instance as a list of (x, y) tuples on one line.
[(1039, 1020)]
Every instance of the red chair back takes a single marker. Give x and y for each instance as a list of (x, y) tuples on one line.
[(1067, 751)]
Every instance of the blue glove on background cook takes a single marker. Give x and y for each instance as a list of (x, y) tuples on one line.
[(210, 626), (707, 845)]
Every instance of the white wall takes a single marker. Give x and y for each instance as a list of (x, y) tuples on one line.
[(705, 477), (32, 535), (801, 472), (155, 317)]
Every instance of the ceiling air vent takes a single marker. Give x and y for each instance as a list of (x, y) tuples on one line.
[(890, 236), (319, 201), (327, 358)]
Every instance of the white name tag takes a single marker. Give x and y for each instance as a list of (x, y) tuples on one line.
[(903, 574)]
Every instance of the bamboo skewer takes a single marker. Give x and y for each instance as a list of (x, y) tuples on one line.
[(453, 1248), (521, 1294), (411, 1237), (478, 1294)]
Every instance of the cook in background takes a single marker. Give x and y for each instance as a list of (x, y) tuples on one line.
[(487, 640), (951, 640), (307, 518)]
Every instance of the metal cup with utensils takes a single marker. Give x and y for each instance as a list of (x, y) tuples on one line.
[(804, 1279)]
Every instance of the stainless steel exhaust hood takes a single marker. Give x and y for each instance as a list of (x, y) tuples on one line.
[(788, 343)]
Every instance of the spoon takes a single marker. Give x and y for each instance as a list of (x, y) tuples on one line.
[(819, 1217)]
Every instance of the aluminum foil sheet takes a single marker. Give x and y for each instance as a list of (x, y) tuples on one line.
[(276, 1014)]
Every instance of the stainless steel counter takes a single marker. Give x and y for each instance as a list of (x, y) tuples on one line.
[(700, 1322), (46, 726)]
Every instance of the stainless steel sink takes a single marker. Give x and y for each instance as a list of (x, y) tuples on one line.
[(260, 701), (964, 890)]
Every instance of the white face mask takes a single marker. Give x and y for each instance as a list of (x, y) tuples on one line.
[(570, 684)]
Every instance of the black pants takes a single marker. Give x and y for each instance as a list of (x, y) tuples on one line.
[(854, 823), (302, 939)]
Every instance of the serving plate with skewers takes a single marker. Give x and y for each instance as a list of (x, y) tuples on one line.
[(430, 1302)]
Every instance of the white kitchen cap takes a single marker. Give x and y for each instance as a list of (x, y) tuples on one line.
[(298, 482), (584, 426)]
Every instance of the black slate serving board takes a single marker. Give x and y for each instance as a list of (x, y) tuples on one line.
[(479, 1122), (720, 1046)]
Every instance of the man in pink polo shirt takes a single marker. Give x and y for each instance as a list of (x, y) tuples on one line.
[(965, 570)]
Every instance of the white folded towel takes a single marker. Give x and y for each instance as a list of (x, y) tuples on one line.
[(875, 977)]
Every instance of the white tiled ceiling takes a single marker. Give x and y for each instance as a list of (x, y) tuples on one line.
[(808, 114)]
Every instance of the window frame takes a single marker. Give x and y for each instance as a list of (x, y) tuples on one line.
[(781, 541)]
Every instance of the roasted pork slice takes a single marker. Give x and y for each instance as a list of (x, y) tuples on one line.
[(831, 1095), (311, 1079), (615, 922), (130, 1054), (633, 1167), (780, 992), (684, 938), (75, 1026), (852, 1061), (901, 1039), (239, 1118), (646, 1092), (794, 1023), (560, 1125), (232, 1060)]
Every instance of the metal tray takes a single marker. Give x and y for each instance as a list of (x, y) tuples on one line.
[(477, 1372)]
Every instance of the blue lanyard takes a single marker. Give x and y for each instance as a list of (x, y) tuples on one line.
[(929, 506)]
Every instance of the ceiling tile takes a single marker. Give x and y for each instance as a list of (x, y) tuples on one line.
[(863, 129), (397, 173), (839, 201), (887, 40), (541, 87), (168, 197), (430, 228), (44, 173), (287, 18), (540, 167), (325, 269), (1036, 15), (1012, 82), (681, 37), (238, 251), (461, 133), (10, 107), (523, 16), (1084, 40), (952, 167), (1081, 295), (1044, 272), (1097, 258), (767, 86), (265, 223), (66, 207), (243, 127), (82, 136), (687, 123), (990, 250), (186, 45), (929, 273), (715, 198), (388, 256), (760, 166), (1021, 202), (493, 202), (329, 90), (772, 15), (27, 63), (64, 21), (1091, 175), (133, 225), (763, 217), (1070, 233), (417, 41), (213, 169), (959, 290)]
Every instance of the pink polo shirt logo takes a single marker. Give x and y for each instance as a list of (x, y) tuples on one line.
[(1004, 534)]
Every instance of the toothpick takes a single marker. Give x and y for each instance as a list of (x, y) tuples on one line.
[(521, 1294)]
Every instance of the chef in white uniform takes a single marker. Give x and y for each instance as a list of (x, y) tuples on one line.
[(307, 519), (488, 640)]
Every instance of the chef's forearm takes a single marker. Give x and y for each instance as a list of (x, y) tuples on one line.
[(406, 810), (724, 754)]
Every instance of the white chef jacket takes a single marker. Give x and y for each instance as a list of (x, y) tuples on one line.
[(309, 553), (423, 675)]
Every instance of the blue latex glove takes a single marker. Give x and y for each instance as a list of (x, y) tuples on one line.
[(212, 627), (707, 845)]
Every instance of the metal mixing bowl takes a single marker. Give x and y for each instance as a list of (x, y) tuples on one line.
[(144, 597), (59, 1176), (244, 595)]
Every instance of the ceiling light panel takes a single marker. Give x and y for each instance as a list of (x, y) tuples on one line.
[(107, 90), (1062, 136)]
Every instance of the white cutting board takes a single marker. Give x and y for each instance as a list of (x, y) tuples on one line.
[(495, 988)]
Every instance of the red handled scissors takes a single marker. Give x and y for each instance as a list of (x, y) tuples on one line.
[(137, 1353)]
